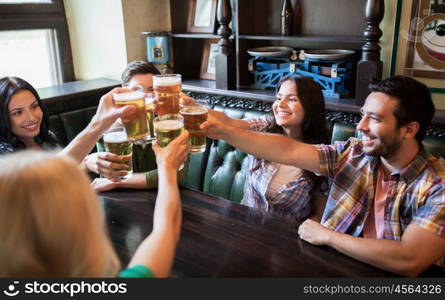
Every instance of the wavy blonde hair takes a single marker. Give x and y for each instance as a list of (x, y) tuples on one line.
[(50, 221)]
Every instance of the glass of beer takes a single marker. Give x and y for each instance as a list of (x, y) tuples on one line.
[(167, 128), (194, 115), (150, 111), (136, 123), (116, 141), (167, 88)]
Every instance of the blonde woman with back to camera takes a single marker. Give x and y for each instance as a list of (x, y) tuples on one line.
[(51, 223)]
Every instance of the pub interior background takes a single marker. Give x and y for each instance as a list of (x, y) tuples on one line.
[(104, 35)]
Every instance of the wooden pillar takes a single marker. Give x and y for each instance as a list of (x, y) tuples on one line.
[(225, 61), (370, 65)]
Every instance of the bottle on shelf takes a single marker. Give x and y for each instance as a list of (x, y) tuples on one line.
[(286, 18)]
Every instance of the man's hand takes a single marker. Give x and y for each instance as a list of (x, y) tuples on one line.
[(103, 184), (107, 113), (314, 233), (106, 164), (175, 154)]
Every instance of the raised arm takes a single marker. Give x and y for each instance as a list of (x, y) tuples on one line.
[(158, 249), (105, 116), (272, 147)]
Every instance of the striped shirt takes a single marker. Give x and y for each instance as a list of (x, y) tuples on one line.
[(416, 194), (291, 200)]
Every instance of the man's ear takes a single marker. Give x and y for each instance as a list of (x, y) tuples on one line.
[(411, 129)]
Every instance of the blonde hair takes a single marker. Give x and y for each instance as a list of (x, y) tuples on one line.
[(50, 220)]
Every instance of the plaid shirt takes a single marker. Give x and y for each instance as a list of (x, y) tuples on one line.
[(416, 195), (292, 199)]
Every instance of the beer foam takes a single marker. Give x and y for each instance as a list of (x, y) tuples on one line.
[(166, 81), (169, 125), (199, 110), (115, 137), (129, 96)]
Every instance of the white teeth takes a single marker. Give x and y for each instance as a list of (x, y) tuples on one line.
[(366, 138)]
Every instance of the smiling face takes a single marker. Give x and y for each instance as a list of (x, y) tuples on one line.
[(381, 134), (25, 115), (287, 109)]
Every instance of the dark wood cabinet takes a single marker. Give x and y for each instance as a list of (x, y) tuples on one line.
[(323, 24)]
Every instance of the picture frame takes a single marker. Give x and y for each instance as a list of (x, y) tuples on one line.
[(425, 48), (201, 16), (209, 52)]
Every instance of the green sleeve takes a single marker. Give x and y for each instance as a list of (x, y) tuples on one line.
[(152, 177), (138, 271)]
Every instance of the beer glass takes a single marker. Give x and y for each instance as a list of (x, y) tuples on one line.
[(136, 123), (116, 141), (150, 111), (167, 128), (194, 115), (167, 88)]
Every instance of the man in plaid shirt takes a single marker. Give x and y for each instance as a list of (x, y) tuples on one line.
[(386, 205)]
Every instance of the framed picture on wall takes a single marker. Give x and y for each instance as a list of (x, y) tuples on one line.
[(426, 40), (209, 52), (201, 16)]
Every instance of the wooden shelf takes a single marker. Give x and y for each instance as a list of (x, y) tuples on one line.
[(344, 104), (197, 36), (209, 87), (356, 40)]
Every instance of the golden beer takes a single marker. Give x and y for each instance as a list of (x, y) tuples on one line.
[(117, 143), (167, 130), (167, 88), (194, 116), (150, 111), (136, 123)]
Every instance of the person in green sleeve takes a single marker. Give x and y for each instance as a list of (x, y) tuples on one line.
[(69, 237), (109, 165)]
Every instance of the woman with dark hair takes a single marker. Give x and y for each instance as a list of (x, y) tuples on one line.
[(23, 123), (298, 112)]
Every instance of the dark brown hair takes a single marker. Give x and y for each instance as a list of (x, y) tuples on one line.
[(9, 86), (137, 67), (415, 103), (313, 128)]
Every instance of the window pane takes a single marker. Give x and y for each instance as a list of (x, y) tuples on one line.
[(24, 1), (30, 54)]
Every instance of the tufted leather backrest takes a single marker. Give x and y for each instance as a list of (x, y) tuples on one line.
[(75, 121), (226, 168)]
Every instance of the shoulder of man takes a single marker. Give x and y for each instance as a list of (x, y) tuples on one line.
[(437, 167)]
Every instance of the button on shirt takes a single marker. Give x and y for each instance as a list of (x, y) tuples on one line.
[(416, 195), (291, 200)]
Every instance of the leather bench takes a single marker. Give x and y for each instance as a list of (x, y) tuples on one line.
[(221, 170)]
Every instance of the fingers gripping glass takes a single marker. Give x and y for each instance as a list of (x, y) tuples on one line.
[(136, 123), (167, 128), (116, 141)]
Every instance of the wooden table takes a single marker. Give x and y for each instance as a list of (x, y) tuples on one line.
[(220, 238)]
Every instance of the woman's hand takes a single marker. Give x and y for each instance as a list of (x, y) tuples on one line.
[(107, 113), (186, 100), (106, 164), (216, 124), (103, 184), (175, 154)]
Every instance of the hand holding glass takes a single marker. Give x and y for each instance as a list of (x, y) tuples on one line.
[(194, 115), (116, 141), (136, 123)]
